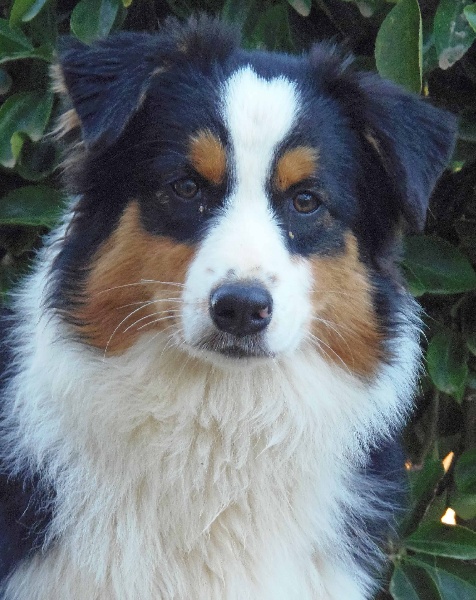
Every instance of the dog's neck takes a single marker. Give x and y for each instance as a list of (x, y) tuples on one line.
[(155, 440)]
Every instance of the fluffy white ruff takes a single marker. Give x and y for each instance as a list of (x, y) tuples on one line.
[(183, 478), (178, 479)]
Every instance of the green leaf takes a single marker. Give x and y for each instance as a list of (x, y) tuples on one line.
[(25, 112), (12, 40), (465, 472), (271, 29), (467, 129), (302, 7), (368, 8), (25, 10), (244, 14), (452, 33), (470, 14), (43, 30), (411, 583), (464, 505), (447, 363), (466, 229), (14, 45), (5, 82), (438, 539), (423, 484), (398, 47), (93, 19), (31, 205), (455, 579), (438, 267), (17, 141)]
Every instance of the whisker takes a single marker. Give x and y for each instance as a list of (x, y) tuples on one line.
[(156, 321), (118, 326), (319, 343), (142, 282), (151, 316)]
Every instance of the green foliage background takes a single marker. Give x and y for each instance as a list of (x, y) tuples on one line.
[(426, 46)]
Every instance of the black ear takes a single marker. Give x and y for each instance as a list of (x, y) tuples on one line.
[(413, 139), (106, 82)]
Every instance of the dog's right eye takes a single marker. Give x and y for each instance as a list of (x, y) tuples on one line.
[(186, 188)]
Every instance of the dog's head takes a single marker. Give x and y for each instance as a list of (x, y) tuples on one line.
[(238, 204)]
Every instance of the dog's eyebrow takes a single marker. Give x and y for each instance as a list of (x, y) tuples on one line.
[(208, 156), (295, 165)]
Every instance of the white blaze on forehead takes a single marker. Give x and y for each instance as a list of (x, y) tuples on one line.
[(258, 113), (246, 242)]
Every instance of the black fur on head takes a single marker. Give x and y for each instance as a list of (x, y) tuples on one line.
[(107, 82), (137, 98), (412, 139)]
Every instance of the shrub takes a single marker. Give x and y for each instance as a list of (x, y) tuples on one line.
[(426, 47)]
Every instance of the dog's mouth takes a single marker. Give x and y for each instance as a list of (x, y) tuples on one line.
[(231, 346)]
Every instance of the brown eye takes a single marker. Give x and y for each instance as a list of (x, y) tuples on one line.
[(306, 202), (187, 189)]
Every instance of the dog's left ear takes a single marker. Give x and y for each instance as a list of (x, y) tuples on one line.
[(107, 82), (413, 139)]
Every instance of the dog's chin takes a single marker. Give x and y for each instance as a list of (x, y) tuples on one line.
[(229, 351)]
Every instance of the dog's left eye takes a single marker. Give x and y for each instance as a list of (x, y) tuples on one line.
[(306, 202), (186, 188)]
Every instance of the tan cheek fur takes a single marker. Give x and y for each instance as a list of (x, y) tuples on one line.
[(118, 291), (345, 323)]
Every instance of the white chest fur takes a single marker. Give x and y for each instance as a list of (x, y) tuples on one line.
[(176, 479)]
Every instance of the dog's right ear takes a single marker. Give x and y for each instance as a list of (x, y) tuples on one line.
[(107, 82)]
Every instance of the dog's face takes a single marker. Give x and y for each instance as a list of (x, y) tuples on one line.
[(243, 205)]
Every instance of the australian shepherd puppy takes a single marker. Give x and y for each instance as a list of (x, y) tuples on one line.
[(207, 367)]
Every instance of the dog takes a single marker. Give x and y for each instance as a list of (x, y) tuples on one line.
[(208, 368)]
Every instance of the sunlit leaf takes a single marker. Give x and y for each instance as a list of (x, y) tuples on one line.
[(470, 14), (423, 484), (25, 10), (31, 205), (398, 47), (302, 7), (436, 266), (25, 112), (412, 583), (465, 472), (93, 19), (455, 579), (438, 539), (452, 32), (447, 363)]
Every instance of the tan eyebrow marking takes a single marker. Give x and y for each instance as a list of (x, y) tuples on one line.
[(208, 156), (296, 165)]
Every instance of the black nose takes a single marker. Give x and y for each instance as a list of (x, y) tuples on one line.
[(241, 309)]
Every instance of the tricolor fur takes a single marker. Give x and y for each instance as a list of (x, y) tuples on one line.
[(168, 449)]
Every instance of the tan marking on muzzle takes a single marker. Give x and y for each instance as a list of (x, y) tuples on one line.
[(345, 322), (132, 286)]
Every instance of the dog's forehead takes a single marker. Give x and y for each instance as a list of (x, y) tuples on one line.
[(258, 115)]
